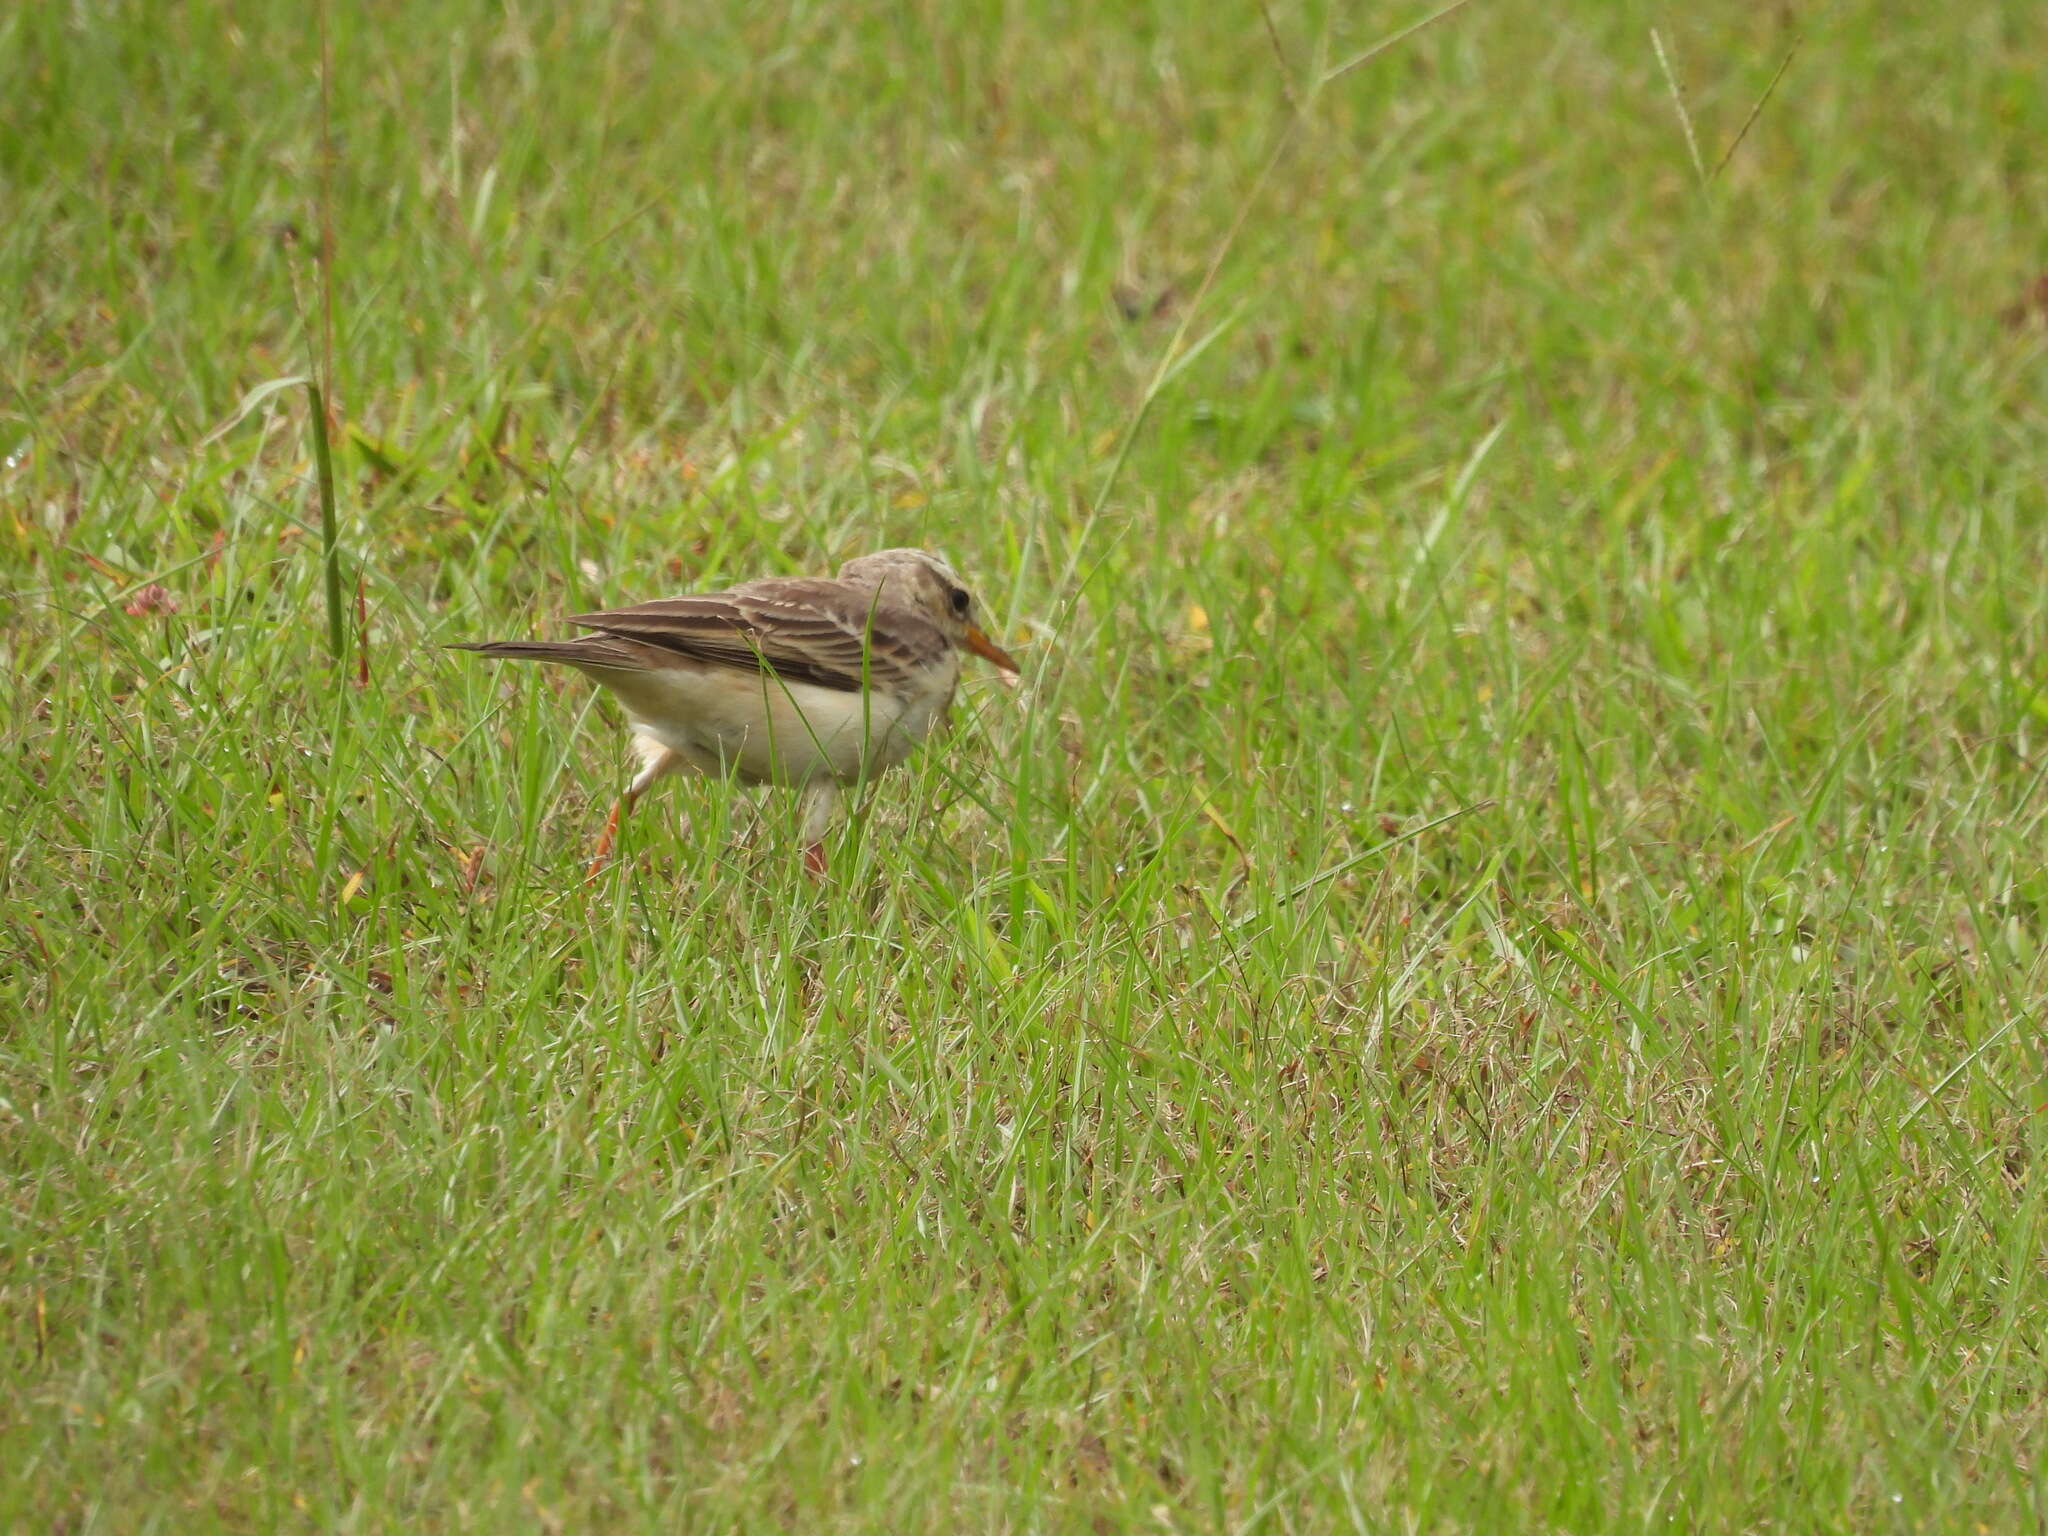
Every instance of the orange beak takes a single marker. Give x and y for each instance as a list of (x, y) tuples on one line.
[(988, 650)]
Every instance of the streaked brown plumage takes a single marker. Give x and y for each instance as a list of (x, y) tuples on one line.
[(808, 682)]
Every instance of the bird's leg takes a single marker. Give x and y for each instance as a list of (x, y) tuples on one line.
[(655, 760), (820, 801)]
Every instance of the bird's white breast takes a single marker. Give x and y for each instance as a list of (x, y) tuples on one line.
[(773, 729)]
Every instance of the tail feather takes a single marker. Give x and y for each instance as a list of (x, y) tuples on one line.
[(587, 651)]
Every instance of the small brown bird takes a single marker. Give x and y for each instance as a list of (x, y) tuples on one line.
[(805, 682)]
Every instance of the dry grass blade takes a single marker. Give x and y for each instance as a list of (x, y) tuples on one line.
[(330, 551), (1692, 143), (1756, 111), (1360, 60)]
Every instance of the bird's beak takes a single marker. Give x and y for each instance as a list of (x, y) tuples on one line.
[(988, 650)]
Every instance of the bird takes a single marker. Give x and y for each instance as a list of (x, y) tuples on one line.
[(807, 682)]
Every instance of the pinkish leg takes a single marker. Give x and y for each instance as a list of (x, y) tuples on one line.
[(603, 855), (820, 801), (656, 761)]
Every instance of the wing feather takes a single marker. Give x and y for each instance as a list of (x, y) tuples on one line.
[(821, 632)]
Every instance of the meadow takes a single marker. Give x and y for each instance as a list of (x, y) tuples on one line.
[(1488, 980)]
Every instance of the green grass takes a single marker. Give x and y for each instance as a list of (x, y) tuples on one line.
[(1649, 1148)]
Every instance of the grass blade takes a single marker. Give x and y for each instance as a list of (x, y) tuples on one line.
[(330, 554)]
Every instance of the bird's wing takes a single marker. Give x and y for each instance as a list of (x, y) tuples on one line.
[(805, 630)]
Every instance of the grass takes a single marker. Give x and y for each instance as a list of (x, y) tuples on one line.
[(1649, 1146)]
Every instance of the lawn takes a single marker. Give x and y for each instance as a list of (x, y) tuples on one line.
[(1488, 980)]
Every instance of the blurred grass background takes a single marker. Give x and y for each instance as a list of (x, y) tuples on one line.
[(1117, 1142)]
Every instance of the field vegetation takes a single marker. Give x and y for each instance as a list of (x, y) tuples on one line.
[(1488, 980)]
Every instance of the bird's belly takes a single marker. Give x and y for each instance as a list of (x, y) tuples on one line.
[(768, 729)]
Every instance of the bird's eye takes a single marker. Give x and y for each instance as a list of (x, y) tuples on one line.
[(961, 601)]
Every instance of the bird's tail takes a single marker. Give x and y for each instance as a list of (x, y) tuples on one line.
[(598, 651)]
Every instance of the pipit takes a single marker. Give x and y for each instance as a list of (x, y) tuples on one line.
[(803, 682)]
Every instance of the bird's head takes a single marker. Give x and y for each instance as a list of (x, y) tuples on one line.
[(922, 582)]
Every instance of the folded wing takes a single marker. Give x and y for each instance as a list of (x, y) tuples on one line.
[(807, 631)]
